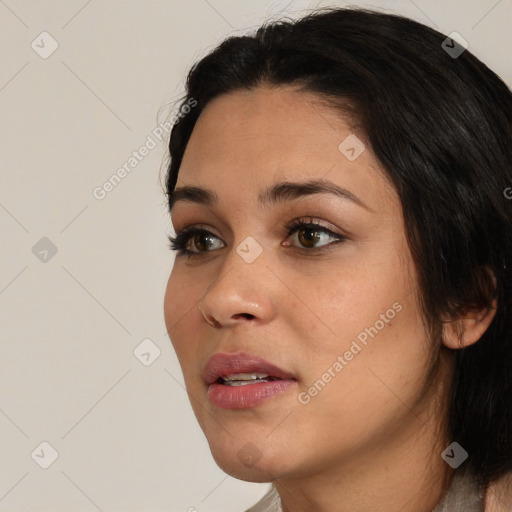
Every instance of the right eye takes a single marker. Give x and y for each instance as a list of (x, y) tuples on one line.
[(189, 238)]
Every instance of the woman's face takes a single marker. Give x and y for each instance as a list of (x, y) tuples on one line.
[(334, 306)]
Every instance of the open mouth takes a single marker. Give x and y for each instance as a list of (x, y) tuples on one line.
[(241, 381), (244, 379)]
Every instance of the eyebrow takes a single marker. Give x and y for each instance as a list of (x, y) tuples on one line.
[(279, 192)]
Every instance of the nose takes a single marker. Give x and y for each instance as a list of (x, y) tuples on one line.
[(241, 293)]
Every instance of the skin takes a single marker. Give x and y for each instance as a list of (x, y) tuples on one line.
[(372, 438)]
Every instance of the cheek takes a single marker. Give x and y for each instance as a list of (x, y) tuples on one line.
[(375, 361), (182, 296), (181, 312), (368, 312), (332, 308)]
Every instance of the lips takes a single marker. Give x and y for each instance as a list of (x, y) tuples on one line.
[(233, 365), (240, 381)]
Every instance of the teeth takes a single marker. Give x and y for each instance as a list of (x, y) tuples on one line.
[(242, 382), (244, 376)]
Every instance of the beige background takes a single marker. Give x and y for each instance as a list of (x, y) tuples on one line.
[(124, 432)]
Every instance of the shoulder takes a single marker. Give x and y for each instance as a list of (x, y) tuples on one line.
[(498, 497)]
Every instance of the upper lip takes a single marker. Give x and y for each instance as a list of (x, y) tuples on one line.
[(220, 365)]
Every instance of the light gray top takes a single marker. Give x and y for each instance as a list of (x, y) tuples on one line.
[(463, 495)]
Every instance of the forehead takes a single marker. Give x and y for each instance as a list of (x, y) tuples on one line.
[(282, 122), (245, 141)]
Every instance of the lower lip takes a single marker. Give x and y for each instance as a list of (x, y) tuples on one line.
[(245, 397)]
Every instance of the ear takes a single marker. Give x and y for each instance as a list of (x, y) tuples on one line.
[(465, 331), (469, 327)]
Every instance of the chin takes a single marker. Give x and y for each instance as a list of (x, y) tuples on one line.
[(243, 466), (244, 459)]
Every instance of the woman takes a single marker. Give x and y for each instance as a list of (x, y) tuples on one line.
[(340, 297)]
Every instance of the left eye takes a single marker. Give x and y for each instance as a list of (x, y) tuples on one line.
[(309, 234)]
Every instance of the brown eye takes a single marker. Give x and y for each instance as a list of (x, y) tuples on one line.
[(202, 241), (193, 241), (308, 237), (310, 234)]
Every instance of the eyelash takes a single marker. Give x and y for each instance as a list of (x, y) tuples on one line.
[(179, 243)]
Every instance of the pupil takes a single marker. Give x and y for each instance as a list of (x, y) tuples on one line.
[(202, 240), (306, 240)]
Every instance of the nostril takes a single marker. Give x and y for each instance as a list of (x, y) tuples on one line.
[(244, 315), (211, 320)]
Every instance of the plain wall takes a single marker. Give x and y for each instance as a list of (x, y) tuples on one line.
[(124, 432)]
